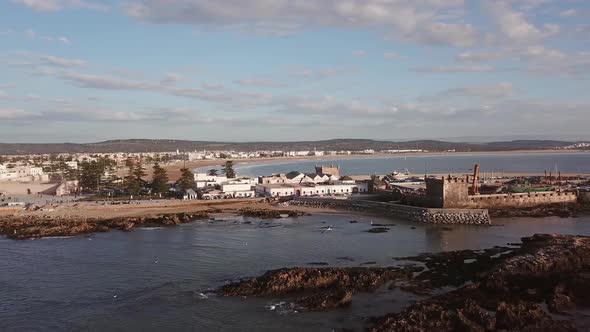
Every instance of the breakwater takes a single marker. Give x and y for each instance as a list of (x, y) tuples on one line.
[(411, 213)]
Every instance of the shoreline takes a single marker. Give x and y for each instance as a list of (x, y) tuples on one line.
[(287, 160), (75, 220), (87, 217)]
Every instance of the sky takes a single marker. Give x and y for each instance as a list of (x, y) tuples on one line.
[(293, 70)]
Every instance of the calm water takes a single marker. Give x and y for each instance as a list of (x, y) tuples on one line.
[(577, 162), (152, 279)]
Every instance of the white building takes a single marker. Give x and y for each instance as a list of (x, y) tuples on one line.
[(72, 164), (204, 180), (239, 188), (275, 190), (312, 189), (23, 174)]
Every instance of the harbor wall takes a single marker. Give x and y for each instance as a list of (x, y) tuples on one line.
[(411, 213), (520, 200)]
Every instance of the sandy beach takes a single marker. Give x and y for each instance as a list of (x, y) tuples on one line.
[(174, 169)]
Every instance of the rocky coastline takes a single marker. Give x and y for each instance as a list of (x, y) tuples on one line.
[(268, 213), (21, 227), (31, 226), (530, 286)]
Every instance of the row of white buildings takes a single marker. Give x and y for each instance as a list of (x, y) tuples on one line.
[(22, 174), (278, 185)]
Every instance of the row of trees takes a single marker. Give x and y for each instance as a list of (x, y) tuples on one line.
[(101, 173), (159, 185), (228, 170)]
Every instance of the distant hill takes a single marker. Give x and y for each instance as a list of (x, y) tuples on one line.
[(166, 145)]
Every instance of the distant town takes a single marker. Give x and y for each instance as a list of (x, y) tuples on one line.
[(209, 175)]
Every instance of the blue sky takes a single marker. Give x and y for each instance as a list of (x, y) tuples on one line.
[(249, 70)]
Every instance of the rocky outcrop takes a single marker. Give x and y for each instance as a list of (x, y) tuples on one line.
[(547, 269), (269, 213), (316, 288), (502, 288), (26, 227), (378, 230)]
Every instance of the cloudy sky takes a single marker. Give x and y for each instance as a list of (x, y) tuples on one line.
[(247, 70)]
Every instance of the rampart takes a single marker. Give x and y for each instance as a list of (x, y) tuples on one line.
[(453, 192), (517, 200), (411, 213)]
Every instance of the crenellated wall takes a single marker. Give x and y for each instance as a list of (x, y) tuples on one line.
[(518, 200), (453, 192)]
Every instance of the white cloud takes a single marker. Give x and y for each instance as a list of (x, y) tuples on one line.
[(30, 33), (16, 114), (583, 29), (406, 19), (222, 96), (264, 28), (513, 26), (4, 95), (477, 56), (568, 13), (360, 53), (171, 78), (40, 5), (60, 62), (391, 56), (105, 82), (32, 97), (57, 5), (64, 40), (485, 92), (457, 35), (260, 82), (469, 68)]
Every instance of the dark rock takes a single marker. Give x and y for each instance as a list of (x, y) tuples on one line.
[(336, 285), (502, 288), (527, 316), (27, 227), (327, 299), (269, 213), (369, 263), (378, 230)]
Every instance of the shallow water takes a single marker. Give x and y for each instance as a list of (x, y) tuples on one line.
[(158, 279), (538, 162)]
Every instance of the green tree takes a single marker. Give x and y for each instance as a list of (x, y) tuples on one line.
[(139, 171), (70, 174), (130, 181), (160, 180), (212, 172), (228, 169), (90, 175), (187, 179)]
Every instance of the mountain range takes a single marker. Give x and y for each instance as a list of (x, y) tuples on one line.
[(167, 145)]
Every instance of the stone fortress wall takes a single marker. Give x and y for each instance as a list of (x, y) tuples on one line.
[(452, 192)]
